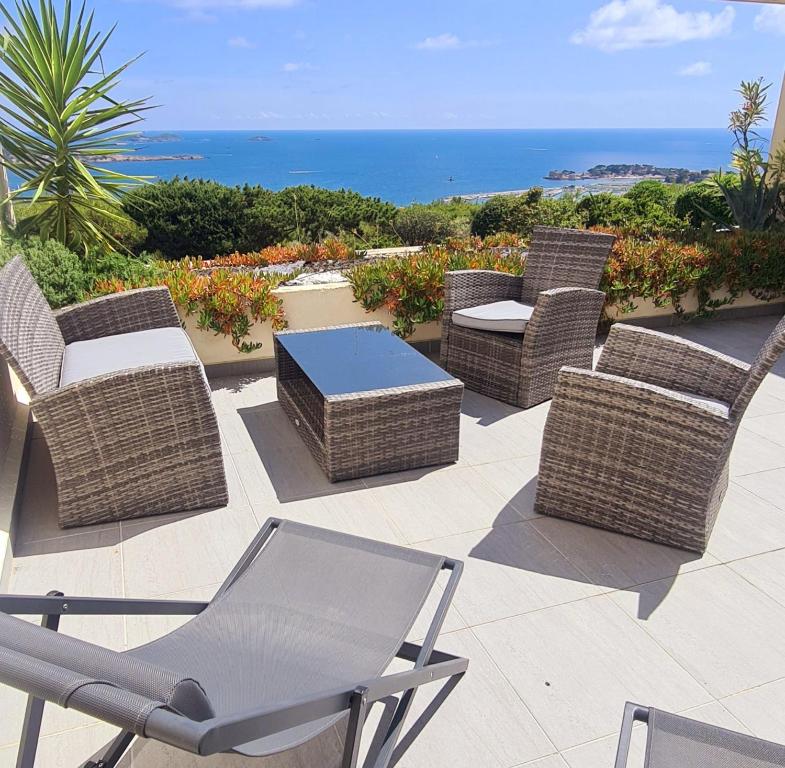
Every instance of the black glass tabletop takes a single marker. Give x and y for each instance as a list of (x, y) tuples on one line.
[(361, 358)]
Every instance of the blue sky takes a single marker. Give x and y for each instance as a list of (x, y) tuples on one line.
[(307, 64)]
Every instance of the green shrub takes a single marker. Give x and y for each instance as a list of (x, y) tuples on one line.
[(57, 270), (647, 209), (422, 224), (189, 217), (194, 217), (702, 203), (520, 214)]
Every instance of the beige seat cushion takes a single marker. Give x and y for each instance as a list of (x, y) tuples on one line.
[(501, 316), (96, 357)]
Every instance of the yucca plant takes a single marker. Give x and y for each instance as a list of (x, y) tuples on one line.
[(58, 120), (753, 191)]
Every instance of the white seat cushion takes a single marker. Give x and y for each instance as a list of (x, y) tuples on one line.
[(716, 405), (96, 357), (501, 316)]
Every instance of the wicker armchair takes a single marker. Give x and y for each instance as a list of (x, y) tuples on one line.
[(641, 445), (121, 399), (558, 306)]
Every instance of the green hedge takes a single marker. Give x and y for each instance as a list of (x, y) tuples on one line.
[(65, 277)]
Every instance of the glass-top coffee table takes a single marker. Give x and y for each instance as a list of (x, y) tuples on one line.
[(365, 402)]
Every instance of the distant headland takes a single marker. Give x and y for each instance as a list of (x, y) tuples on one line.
[(147, 158), (637, 170)]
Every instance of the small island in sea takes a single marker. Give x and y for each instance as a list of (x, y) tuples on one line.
[(147, 158), (156, 138), (636, 170)]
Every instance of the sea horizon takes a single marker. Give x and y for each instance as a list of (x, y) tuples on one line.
[(410, 165)]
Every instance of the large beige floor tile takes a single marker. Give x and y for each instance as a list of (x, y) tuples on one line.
[(185, 552), (766, 572), (359, 512), (552, 761), (65, 750), (482, 723), (509, 570), (754, 453), (770, 426), (285, 473), (602, 752), (576, 665), (515, 480), (444, 503), (726, 633), (764, 404), (768, 485), (761, 710), (747, 525), (613, 561)]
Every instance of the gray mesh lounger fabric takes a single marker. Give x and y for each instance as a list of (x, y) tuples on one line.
[(316, 610), (678, 742), (312, 612)]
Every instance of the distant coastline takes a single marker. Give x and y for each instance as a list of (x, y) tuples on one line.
[(148, 158), (638, 171)]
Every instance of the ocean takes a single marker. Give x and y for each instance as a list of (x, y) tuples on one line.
[(404, 166)]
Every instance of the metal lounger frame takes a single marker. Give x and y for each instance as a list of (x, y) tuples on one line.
[(221, 734)]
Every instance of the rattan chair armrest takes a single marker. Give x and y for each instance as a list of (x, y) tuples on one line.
[(571, 300), (671, 362), (472, 287), (635, 397), (126, 312), (115, 403)]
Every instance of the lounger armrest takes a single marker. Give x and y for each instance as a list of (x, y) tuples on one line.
[(632, 712), (473, 287), (39, 605), (126, 312), (217, 735), (671, 362), (647, 400)]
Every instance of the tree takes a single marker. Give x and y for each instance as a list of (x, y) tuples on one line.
[(58, 120), (753, 191)]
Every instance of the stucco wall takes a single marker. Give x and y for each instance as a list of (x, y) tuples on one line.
[(316, 306), (13, 431)]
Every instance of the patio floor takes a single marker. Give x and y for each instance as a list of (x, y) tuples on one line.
[(562, 623)]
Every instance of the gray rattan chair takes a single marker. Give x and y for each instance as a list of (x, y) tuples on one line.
[(292, 648), (506, 336), (641, 445), (673, 741), (121, 399)]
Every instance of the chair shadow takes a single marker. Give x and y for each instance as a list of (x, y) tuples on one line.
[(589, 555), (485, 410)]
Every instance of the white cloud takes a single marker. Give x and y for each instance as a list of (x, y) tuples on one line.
[(442, 42), (624, 24), (449, 42), (697, 69), (297, 66), (240, 42), (771, 19)]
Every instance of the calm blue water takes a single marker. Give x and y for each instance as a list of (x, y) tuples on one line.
[(408, 166)]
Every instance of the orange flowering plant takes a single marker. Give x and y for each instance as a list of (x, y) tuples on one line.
[(227, 301), (412, 287)]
